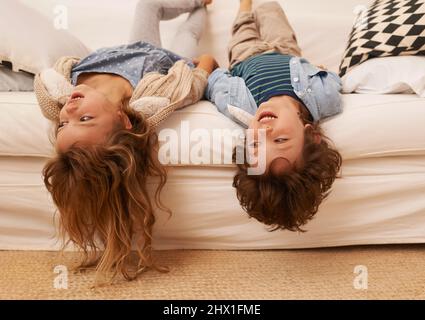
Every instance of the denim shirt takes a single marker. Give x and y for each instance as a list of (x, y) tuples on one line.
[(317, 89), (223, 89)]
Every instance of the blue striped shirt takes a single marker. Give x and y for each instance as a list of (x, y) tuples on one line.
[(266, 75)]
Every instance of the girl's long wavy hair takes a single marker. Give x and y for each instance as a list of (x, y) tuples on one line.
[(101, 195)]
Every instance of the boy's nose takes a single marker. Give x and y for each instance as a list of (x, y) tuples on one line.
[(268, 130)]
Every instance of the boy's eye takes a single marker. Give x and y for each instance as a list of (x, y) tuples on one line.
[(280, 140)]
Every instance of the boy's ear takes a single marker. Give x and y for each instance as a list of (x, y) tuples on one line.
[(316, 136)]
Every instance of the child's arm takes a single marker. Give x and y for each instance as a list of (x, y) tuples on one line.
[(206, 62), (321, 66), (224, 89)]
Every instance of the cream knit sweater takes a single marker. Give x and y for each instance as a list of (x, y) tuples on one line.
[(182, 86)]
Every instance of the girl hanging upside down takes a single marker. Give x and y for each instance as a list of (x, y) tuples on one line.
[(106, 107)]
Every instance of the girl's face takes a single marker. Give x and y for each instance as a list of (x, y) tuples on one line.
[(88, 117)]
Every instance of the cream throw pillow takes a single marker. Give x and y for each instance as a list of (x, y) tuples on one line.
[(30, 42), (403, 74)]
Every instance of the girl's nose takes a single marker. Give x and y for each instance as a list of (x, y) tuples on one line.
[(71, 107)]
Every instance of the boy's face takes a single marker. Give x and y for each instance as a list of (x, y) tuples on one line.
[(87, 118), (280, 117)]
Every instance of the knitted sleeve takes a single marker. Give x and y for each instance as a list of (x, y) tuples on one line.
[(49, 104), (199, 84), (182, 85)]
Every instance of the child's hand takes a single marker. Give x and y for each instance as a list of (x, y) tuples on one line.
[(320, 66), (206, 62)]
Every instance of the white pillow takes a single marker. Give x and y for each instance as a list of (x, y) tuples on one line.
[(30, 41), (401, 74), (15, 81), (100, 23)]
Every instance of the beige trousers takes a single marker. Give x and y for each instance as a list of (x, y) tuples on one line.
[(267, 29)]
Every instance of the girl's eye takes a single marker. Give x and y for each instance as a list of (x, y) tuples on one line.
[(280, 140), (85, 118), (61, 124), (255, 144), (82, 119)]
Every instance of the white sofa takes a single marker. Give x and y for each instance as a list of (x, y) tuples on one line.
[(379, 198)]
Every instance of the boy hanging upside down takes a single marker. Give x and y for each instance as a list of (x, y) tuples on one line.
[(287, 97)]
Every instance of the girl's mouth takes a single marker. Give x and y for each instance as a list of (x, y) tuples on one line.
[(75, 96)]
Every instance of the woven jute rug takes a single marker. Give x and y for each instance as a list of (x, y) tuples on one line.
[(371, 272)]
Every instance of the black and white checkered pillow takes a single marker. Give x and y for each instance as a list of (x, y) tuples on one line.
[(386, 28)]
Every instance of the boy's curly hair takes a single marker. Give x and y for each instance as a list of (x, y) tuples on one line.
[(289, 199), (101, 195)]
